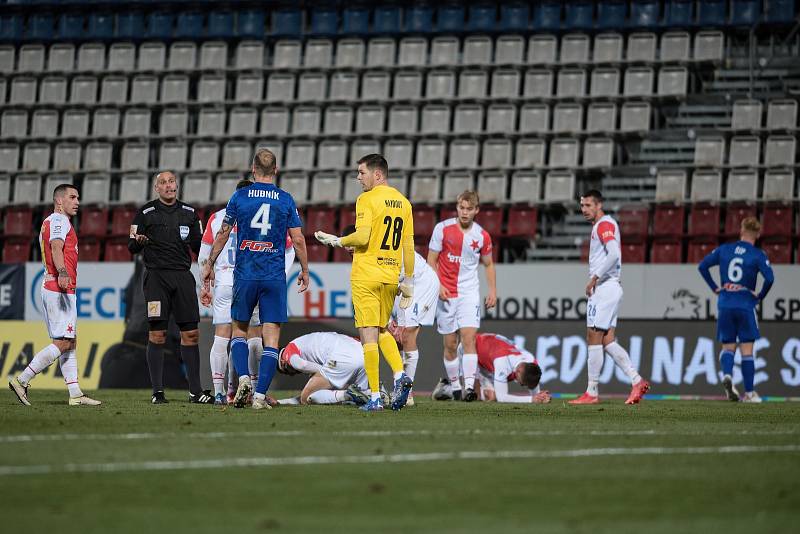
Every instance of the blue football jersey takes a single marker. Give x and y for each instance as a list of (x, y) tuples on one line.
[(262, 214), (739, 264)]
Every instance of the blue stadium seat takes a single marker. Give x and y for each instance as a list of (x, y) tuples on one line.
[(130, 25), (287, 23), (100, 26), (220, 24), (324, 22), (514, 17), (678, 13), (419, 19), (780, 12), (610, 13), (579, 15), (387, 20), (482, 18), (450, 18), (547, 16), (645, 14), (190, 25), (11, 27), (711, 13), (745, 12), (250, 24), (70, 26), (355, 20), (40, 28), (159, 25)]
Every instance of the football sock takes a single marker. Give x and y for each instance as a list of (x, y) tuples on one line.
[(326, 396), (239, 354), (469, 362), (155, 365), (291, 400), (451, 367), (410, 360), (390, 352), (69, 368), (218, 361), (623, 360), (43, 359), (726, 362), (266, 369), (748, 372), (255, 349), (594, 366), (190, 354), (371, 361)]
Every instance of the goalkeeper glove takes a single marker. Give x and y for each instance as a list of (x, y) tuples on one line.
[(328, 239), (406, 293)]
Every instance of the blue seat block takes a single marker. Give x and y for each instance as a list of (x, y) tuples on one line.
[(251, 24), (287, 23), (220, 24), (130, 25), (745, 12), (547, 16), (11, 27), (482, 18), (355, 21), (780, 12), (100, 26), (711, 13), (324, 22), (160, 25), (450, 18), (419, 19), (40, 28), (515, 17), (645, 14), (388, 20), (190, 25), (611, 14), (70, 26), (678, 13), (579, 15)]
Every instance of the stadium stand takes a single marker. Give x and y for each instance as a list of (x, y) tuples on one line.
[(682, 112)]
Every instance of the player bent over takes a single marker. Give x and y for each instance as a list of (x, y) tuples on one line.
[(59, 246), (739, 264), (456, 248), (336, 362), (605, 295), (384, 238)]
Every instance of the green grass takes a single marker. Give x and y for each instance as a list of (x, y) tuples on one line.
[(654, 492)]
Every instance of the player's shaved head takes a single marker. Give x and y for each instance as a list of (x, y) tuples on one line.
[(66, 199), (264, 163), (592, 205), (244, 183), (374, 163), (62, 189)]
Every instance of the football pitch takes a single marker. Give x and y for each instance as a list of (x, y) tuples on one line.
[(662, 466)]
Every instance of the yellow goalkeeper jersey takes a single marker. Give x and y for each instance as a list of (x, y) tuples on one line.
[(388, 214)]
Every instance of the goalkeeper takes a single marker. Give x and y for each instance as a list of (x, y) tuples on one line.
[(383, 240)]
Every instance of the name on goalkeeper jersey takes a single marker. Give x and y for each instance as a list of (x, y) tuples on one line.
[(393, 203), (261, 193)]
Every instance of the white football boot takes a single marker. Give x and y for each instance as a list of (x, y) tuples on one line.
[(752, 396), (83, 400)]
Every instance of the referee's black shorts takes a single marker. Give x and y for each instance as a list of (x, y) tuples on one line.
[(173, 292)]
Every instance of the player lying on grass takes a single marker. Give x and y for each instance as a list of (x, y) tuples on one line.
[(336, 363), (501, 362)]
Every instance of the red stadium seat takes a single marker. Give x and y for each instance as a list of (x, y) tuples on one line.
[(16, 250), (447, 213), (585, 251), (699, 248), (341, 255), (116, 250), (491, 218), (18, 221), (778, 249), (93, 222), (734, 216), (121, 220), (347, 216), (422, 248), (319, 219), (424, 221), (522, 222), (317, 252), (666, 251), (634, 223), (89, 250), (776, 220), (704, 220), (668, 221), (632, 252)]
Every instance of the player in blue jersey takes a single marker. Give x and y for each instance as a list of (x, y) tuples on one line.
[(739, 264), (262, 214)]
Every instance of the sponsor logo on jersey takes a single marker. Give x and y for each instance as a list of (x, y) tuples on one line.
[(388, 261), (260, 193), (453, 259), (256, 246)]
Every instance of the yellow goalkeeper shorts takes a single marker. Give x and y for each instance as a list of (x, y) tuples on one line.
[(373, 303)]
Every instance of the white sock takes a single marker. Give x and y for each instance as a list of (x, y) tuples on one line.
[(256, 348), (219, 360), (623, 360), (292, 400), (398, 375), (69, 368), (43, 359), (410, 360), (594, 365), (375, 396), (469, 362), (326, 396), (452, 368)]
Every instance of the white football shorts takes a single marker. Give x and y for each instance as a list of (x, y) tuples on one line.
[(344, 368), (221, 307), (603, 306), (60, 312), (459, 312), (422, 311)]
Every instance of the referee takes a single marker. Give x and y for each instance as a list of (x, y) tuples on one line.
[(165, 230)]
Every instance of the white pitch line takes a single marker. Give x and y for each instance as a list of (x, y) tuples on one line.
[(273, 461), (144, 436)]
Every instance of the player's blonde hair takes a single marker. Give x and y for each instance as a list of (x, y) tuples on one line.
[(470, 197), (264, 162), (751, 225)]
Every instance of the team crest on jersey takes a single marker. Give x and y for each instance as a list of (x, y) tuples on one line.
[(184, 232), (331, 364), (154, 308)]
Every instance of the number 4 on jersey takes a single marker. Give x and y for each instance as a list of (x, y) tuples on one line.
[(261, 219)]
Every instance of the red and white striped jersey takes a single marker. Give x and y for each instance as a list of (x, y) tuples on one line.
[(57, 226), (603, 231), (459, 255), (498, 356)]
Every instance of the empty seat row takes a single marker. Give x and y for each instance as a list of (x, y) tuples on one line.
[(742, 184), (745, 151), (749, 115)]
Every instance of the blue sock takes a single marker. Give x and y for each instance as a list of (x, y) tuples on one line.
[(748, 372), (726, 362), (266, 369), (239, 354)]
